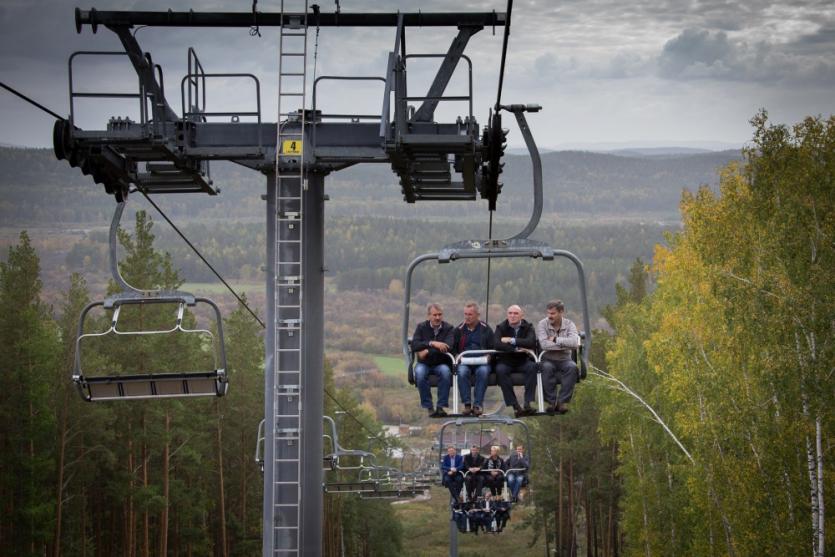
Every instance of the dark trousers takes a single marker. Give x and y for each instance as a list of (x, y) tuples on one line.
[(503, 371), (454, 483), (475, 483), (495, 483), (562, 372)]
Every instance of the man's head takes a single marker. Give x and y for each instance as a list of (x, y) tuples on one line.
[(471, 314), (494, 451), (520, 450), (555, 309), (474, 449), (514, 315), (435, 314), (450, 450)]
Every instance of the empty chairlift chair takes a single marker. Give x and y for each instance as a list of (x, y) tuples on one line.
[(139, 382)]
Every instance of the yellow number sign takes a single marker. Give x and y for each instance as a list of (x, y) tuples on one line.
[(291, 147)]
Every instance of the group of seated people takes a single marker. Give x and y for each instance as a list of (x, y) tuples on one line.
[(481, 515), (555, 335), (477, 473)]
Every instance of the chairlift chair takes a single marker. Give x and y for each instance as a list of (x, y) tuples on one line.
[(141, 384), (511, 248), (481, 422)]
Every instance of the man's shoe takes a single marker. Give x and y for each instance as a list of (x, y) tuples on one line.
[(562, 408), (439, 412), (433, 413), (551, 408), (529, 410), (477, 411), (520, 412), (467, 410)]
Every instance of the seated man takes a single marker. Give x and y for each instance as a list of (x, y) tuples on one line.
[(512, 333), (516, 468), (431, 342), (494, 477), (557, 337), (451, 467), (473, 463), (473, 334)]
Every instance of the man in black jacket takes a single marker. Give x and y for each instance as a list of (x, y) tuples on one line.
[(512, 333), (473, 334), (432, 342), (516, 468), (473, 463)]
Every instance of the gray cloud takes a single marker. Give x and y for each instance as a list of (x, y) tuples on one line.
[(697, 53), (704, 54)]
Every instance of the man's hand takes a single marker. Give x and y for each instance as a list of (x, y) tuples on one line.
[(422, 354), (506, 340), (474, 469), (438, 345)]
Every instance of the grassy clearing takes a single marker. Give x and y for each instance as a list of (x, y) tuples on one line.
[(389, 365), (426, 532)]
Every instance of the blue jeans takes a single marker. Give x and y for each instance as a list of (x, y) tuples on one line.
[(465, 380), (422, 372), (514, 482)]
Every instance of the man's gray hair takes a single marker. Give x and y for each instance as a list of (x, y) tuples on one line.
[(556, 304), (472, 305), (434, 306)]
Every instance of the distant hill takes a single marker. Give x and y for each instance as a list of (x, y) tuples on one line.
[(37, 188)]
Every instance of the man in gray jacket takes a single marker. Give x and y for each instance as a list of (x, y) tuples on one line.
[(557, 336)]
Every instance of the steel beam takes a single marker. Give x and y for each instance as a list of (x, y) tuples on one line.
[(94, 18)]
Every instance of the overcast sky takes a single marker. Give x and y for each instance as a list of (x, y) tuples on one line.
[(608, 73)]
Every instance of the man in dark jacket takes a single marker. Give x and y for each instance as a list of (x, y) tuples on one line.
[(473, 334), (473, 463), (432, 343), (512, 333), (516, 468), (452, 468)]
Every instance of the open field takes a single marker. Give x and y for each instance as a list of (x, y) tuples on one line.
[(389, 365)]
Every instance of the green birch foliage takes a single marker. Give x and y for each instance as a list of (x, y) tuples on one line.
[(735, 350)]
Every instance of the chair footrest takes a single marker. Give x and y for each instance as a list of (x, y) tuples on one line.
[(158, 385)]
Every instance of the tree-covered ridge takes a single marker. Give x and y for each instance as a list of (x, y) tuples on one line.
[(576, 184)]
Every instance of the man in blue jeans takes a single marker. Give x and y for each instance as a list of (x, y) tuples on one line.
[(516, 468), (473, 334), (431, 343)]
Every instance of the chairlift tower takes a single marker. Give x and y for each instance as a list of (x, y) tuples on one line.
[(166, 152)]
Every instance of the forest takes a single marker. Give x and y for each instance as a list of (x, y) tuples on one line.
[(720, 322)]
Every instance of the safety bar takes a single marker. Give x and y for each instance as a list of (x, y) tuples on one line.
[(235, 115), (196, 83), (454, 97), (383, 120), (143, 114)]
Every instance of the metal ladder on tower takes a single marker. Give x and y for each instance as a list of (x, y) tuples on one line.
[(289, 253)]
